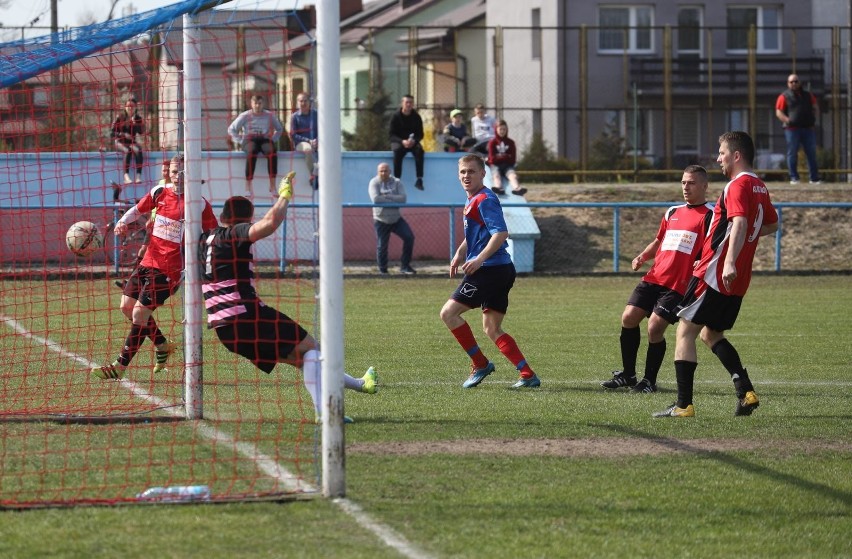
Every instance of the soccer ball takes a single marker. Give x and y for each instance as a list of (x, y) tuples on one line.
[(83, 238)]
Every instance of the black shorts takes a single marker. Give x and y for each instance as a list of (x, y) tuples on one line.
[(263, 335), (488, 288), (660, 300), (704, 305), (150, 286), (503, 170)]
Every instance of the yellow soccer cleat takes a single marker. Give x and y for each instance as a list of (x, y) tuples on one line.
[(162, 354), (113, 371), (674, 411), (747, 404), (371, 381)]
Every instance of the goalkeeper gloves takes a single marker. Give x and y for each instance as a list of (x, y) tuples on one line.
[(285, 187)]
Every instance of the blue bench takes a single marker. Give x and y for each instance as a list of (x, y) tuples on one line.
[(523, 232)]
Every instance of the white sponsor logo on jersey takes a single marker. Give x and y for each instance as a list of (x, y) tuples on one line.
[(680, 240), (168, 229)]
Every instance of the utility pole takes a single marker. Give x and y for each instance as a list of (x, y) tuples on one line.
[(55, 92), (849, 90)]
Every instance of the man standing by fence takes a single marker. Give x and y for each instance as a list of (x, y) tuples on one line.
[(798, 110), (387, 189)]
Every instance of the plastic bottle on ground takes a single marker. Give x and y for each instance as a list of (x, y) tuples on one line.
[(176, 493)]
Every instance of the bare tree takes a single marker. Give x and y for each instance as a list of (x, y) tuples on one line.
[(87, 17)]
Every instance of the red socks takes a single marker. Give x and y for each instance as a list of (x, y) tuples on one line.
[(507, 346), (465, 338)]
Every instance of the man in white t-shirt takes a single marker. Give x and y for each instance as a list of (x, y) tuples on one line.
[(482, 126)]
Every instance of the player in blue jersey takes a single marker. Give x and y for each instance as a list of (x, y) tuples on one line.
[(488, 276)]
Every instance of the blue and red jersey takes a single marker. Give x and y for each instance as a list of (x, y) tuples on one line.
[(483, 217)]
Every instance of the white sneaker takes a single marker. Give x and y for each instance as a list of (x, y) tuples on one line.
[(794, 181)]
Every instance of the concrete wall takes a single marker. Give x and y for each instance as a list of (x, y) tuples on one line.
[(41, 195)]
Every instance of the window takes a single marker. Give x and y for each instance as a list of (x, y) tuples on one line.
[(536, 34), (687, 131), (637, 131), (767, 20), (625, 28), (362, 83), (737, 119), (765, 124), (347, 97), (633, 126), (689, 32), (298, 85), (21, 97), (41, 96), (90, 96)]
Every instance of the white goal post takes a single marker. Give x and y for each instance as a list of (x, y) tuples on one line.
[(330, 236)]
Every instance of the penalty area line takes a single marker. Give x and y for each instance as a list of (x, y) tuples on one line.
[(266, 464)]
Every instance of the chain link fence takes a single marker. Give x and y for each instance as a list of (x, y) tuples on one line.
[(634, 100), (583, 236), (584, 98)]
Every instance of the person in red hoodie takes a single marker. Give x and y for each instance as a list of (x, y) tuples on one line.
[(502, 155)]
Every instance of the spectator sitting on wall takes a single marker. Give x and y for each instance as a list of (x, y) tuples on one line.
[(128, 131), (303, 130), (256, 132), (406, 135), (455, 133), (502, 155), (482, 126)]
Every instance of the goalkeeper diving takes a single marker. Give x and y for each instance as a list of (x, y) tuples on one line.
[(243, 323)]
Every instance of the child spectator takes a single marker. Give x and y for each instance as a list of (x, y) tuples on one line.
[(455, 133), (501, 157)]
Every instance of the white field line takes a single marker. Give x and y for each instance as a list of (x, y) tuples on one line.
[(266, 464), (566, 382)]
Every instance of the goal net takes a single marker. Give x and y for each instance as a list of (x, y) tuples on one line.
[(88, 118)]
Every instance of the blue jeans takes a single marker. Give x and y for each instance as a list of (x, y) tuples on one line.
[(806, 137), (401, 230)]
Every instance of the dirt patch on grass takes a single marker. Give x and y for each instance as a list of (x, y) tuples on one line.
[(579, 240), (595, 447)]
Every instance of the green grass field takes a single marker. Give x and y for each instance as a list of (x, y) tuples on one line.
[(561, 471)]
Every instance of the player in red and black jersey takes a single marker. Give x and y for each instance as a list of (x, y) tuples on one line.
[(158, 274), (742, 215), (242, 321), (674, 250)]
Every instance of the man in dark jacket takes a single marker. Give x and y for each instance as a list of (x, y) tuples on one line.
[(406, 133), (797, 109)]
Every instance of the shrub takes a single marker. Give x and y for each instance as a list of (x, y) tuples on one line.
[(538, 158), (371, 127)]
